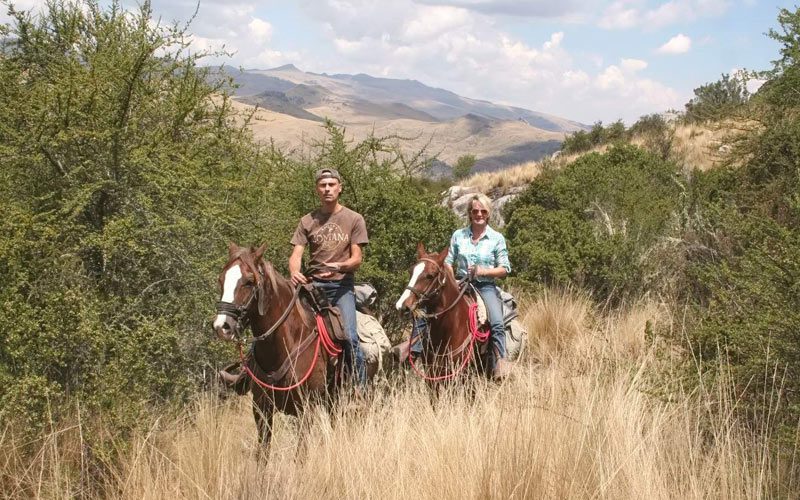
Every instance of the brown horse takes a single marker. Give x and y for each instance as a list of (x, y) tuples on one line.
[(288, 352), (434, 294)]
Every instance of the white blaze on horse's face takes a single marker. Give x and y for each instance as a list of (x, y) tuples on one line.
[(232, 277), (415, 274)]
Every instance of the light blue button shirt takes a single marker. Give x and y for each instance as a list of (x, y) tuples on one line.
[(490, 251)]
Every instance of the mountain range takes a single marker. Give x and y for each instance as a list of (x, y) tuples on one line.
[(292, 104)]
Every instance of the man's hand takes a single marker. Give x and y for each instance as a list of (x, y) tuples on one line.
[(474, 271), (299, 278), (331, 269)]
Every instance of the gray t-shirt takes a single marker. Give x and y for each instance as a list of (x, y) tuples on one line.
[(329, 236)]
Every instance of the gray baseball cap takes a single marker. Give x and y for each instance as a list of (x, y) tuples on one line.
[(325, 173)]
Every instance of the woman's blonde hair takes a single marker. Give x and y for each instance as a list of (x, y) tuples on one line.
[(484, 200)]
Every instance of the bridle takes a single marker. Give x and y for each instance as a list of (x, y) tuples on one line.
[(434, 289), (435, 286), (239, 312)]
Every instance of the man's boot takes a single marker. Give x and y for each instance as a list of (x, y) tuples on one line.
[(400, 352), (235, 380), (502, 366), (502, 369)]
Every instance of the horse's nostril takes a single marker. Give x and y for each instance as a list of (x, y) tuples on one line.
[(226, 327)]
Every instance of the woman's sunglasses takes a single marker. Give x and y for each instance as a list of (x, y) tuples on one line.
[(475, 211)]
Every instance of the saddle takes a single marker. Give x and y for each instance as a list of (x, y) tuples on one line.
[(331, 315)]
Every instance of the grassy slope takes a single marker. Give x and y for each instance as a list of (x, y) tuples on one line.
[(575, 421), (694, 146)]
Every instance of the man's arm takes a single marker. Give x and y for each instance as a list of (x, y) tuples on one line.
[(295, 263), (351, 264)]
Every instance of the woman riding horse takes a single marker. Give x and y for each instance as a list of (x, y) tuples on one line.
[(480, 255)]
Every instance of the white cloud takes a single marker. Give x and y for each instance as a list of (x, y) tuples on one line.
[(260, 30), (436, 21), (678, 44), (626, 14), (633, 65), (622, 14), (526, 8), (457, 45)]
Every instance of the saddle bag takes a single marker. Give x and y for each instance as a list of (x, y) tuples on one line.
[(331, 315), (334, 323)]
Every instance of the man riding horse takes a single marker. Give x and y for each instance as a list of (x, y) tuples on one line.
[(335, 236)]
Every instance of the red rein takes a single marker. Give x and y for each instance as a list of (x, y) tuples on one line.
[(323, 338), (475, 334)]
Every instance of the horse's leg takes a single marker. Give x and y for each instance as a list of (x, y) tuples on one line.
[(263, 414)]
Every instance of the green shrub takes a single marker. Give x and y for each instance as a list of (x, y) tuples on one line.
[(125, 173), (747, 218), (592, 222)]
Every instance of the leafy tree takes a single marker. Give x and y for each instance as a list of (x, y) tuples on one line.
[(789, 38), (615, 132), (577, 142), (463, 166), (717, 100), (597, 134), (747, 220)]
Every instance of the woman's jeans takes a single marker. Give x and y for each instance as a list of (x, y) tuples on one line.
[(494, 309), (340, 294)]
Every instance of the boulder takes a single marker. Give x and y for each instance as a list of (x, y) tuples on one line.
[(497, 209)]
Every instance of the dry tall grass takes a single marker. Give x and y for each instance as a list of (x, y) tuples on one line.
[(574, 421), (695, 146), (519, 175)]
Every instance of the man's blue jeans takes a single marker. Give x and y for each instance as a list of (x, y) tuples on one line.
[(494, 309), (340, 294)]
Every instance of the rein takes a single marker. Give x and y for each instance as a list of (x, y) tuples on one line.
[(463, 288), (323, 337), (469, 344), (240, 314), (281, 319)]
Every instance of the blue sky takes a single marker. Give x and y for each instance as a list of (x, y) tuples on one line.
[(584, 60)]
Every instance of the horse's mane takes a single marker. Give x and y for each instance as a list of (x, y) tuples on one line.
[(246, 256), (272, 277)]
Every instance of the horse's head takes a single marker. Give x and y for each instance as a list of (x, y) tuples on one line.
[(242, 284), (428, 277)]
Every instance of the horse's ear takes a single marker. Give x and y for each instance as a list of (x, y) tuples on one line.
[(443, 254), (420, 250), (232, 249), (259, 252)]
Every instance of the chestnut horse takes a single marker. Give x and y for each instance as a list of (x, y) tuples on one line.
[(288, 352), (434, 294)]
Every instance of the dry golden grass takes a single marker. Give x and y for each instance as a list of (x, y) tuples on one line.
[(519, 175), (694, 146), (574, 421)]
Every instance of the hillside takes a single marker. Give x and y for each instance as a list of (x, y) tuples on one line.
[(452, 125)]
